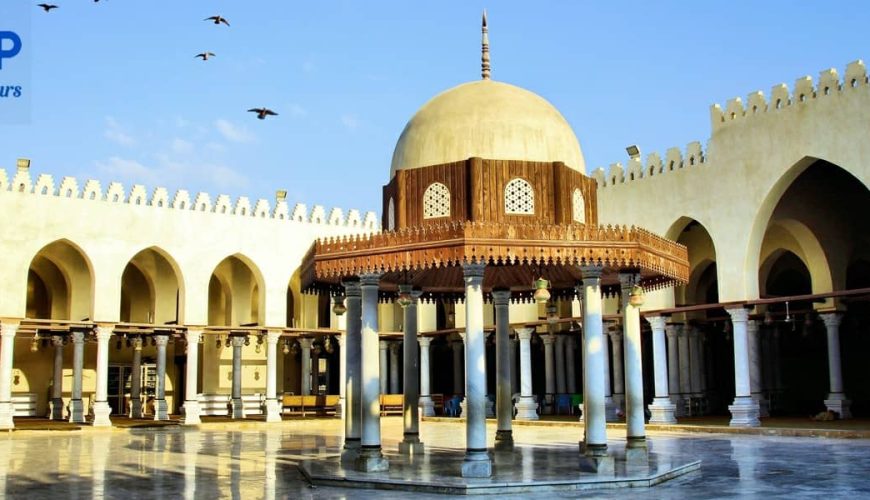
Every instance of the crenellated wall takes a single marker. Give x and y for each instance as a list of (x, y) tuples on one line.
[(731, 186), (138, 195)]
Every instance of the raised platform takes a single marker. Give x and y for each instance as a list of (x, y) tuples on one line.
[(525, 469)]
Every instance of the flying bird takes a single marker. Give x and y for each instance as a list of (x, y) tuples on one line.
[(262, 113), (47, 6), (217, 20), (205, 55)]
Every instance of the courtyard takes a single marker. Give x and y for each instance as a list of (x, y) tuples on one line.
[(254, 460)]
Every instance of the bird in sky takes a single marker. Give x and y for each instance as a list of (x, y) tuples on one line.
[(217, 20), (262, 113), (47, 6), (205, 55)]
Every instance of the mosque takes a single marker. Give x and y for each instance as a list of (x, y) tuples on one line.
[(745, 293)]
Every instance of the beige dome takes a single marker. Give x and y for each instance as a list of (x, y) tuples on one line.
[(486, 119)]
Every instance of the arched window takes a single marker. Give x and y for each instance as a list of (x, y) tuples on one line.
[(519, 197), (436, 201), (391, 215), (578, 206)]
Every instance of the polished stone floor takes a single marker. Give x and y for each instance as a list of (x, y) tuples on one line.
[(259, 461)]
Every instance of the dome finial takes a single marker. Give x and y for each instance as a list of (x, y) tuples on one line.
[(484, 58)]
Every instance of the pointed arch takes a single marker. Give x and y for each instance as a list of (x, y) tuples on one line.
[(60, 282), (241, 292), (156, 268)]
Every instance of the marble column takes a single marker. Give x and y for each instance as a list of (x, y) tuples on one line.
[(477, 462), (672, 332), (695, 362), (102, 410), (458, 362), (610, 413), (192, 409), (136, 379), (384, 374), (527, 407), (341, 407), (503, 394), (560, 364), (662, 408), (515, 369), (427, 406), (273, 405), (593, 368), (755, 379), (837, 401), (618, 375), (76, 407), (56, 403), (744, 410), (237, 408), (570, 360), (7, 348), (370, 458), (160, 407), (411, 443), (394, 367), (549, 375), (305, 366), (634, 407), (353, 380), (685, 368)]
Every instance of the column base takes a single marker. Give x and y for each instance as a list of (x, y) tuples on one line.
[(237, 409), (102, 410), (476, 464), (663, 411), (838, 404), (595, 450), (192, 412), (504, 440), (351, 450), (272, 409), (76, 412), (763, 404), (527, 408), (136, 408), (610, 410), (463, 408), (597, 464), (6, 412), (56, 408), (339, 408), (161, 409), (427, 406), (678, 404), (411, 445), (744, 413), (371, 459)]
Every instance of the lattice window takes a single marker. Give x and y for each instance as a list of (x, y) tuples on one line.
[(519, 197), (578, 206), (436, 201), (391, 216)]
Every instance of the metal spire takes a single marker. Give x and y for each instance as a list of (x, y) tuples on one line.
[(484, 58)]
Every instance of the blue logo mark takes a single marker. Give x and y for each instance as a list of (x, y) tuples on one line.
[(14, 50)]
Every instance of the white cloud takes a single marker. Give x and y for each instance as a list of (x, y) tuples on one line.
[(115, 133), (182, 147), (171, 172), (232, 132), (350, 121), (130, 170)]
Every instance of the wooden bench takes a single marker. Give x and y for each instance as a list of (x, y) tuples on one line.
[(391, 404), (300, 405)]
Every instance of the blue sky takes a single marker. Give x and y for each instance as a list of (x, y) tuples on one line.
[(118, 95)]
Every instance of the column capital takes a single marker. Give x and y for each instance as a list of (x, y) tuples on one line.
[(352, 288), (394, 346), (424, 342), (273, 336), (383, 344), (161, 339), (501, 297), (524, 333), (473, 272), (672, 330), (9, 325), (591, 273), (615, 335), (370, 279), (78, 337), (103, 331), (305, 342), (628, 280), (462, 337), (751, 327), (738, 314), (238, 340), (656, 322), (340, 338), (57, 340), (831, 319)]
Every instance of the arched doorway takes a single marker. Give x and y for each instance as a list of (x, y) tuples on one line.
[(151, 288), (60, 283), (234, 293)]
